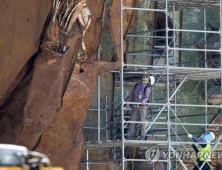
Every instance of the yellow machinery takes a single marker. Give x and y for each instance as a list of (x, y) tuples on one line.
[(13, 157)]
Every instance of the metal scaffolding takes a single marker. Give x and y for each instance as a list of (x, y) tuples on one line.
[(164, 116)]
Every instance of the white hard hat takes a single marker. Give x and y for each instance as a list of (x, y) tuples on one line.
[(208, 137), (213, 135), (152, 80)]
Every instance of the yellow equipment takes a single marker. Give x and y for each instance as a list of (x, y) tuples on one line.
[(13, 157)]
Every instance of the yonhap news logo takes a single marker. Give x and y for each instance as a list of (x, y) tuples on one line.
[(154, 154)]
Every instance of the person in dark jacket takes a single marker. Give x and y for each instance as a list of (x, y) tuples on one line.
[(203, 150), (140, 94)]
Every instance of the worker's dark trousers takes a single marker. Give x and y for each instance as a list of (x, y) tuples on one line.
[(140, 112), (205, 167)]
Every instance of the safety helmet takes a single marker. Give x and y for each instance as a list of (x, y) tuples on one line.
[(208, 136), (152, 80)]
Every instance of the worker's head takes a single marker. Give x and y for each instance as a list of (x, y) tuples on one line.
[(146, 79), (209, 136)]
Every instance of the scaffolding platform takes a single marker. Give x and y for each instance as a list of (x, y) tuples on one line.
[(191, 73), (185, 4), (145, 143)]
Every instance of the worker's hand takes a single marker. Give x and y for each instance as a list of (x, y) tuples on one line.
[(189, 136), (127, 105), (143, 103)]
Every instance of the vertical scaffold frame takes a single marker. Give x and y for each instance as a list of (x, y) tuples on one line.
[(165, 73), (185, 74)]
